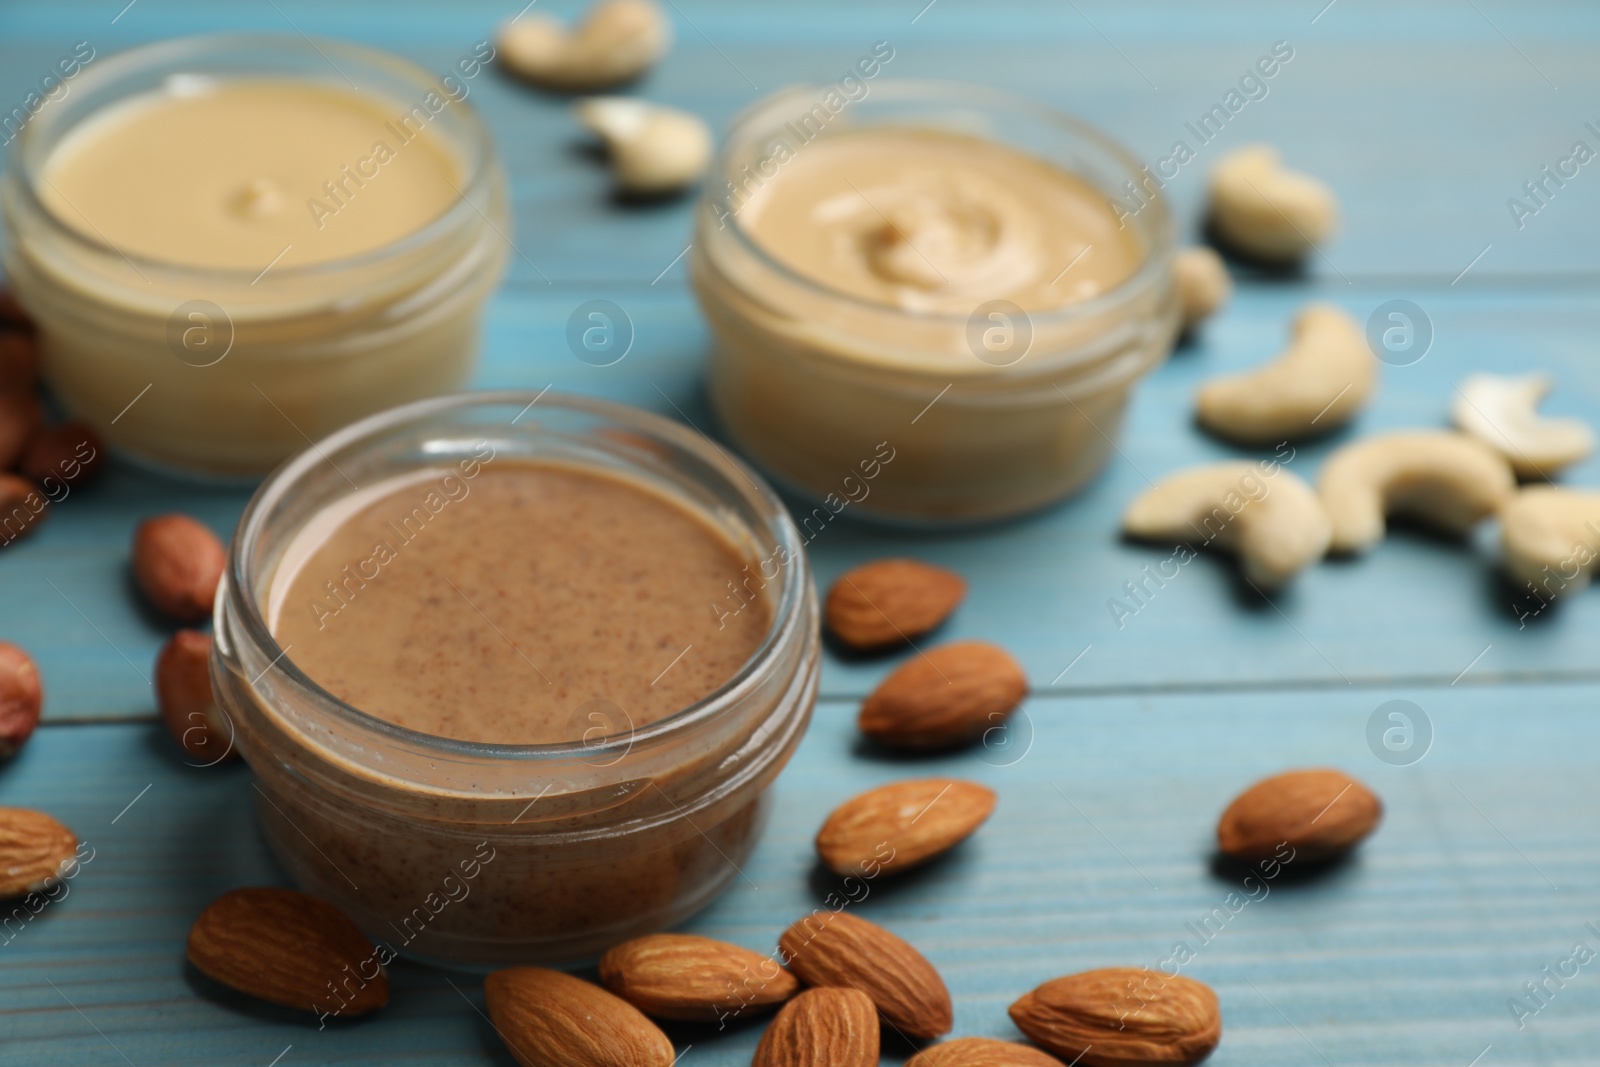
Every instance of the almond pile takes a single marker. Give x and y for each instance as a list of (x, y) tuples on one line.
[(48, 460)]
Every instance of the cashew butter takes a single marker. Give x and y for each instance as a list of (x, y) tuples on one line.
[(235, 244), (937, 269)]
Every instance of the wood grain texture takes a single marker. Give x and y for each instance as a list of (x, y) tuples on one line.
[(1425, 118)]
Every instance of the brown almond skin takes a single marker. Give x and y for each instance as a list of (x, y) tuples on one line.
[(68, 454), (889, 601), (188, 707), (289, 948), (982, 1052), (1122, 1017), (838, 949), (20, 418), (21, 698), (177, 563), (1319, 813), (19, 360), (22, 507), (900, 825), (551, 1019), (821, 1028), (33, 846), (681, 976), (949, 696)]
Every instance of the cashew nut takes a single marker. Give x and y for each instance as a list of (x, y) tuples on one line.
[(1550, 537), (1203, 284), (1503, 413), (653, 149), (1266, 211), (1445, 479), (1265, 515), (616, 42), (1319, 383)]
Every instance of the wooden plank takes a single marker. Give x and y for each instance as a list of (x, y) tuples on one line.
[(1099, 853)]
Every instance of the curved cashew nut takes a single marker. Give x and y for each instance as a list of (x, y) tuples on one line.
[(1445, 479), (1318, 384), (1503, 414), (653, 149), (1265, 515), (1202, 282), (1266, 211), (1550, 538), (616, 42)]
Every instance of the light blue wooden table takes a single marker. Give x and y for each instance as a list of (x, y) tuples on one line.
[(1426, 118)]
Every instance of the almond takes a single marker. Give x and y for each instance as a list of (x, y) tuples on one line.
[(889, 601), (1318, 813), (551, 1019), (900, 825), (289, 948), (1122, 1017), (950, 696), (821, 1028), (20, 418), (21, 698), (188, 706), (981, 1052), (19, 359), (680, 976), (33, 850), (834, 949), (177, 563), (69, 454), (22, 507)]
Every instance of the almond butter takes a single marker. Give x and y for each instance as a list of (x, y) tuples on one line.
[(1317, 813), (33, 849), (836, 949), (1122, 1017), (981, 1052), (890, 601), (680, 976), (68, 454), (821, 1028), (188, 705), (177, 563), (290, 948), (551, 1019), (21, 698), (952, 695), (897, 826), (22, 507)]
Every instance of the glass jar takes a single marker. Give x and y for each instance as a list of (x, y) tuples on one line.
[(987, 414), (486, 854), (227, 372)]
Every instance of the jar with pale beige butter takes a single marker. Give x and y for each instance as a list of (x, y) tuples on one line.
[(514, 672), (936, 272), (236, 244)]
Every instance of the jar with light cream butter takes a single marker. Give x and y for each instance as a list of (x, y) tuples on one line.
[(934, 268), (476, 756), (236, 244)]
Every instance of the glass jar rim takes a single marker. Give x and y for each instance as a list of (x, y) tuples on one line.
[(744, 128), (787, 614), (144, 59)]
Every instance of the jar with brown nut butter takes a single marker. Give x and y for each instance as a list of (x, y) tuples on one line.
[(515, 673), (936, 270)]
